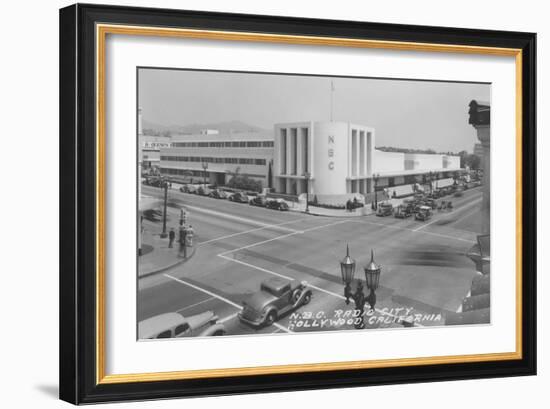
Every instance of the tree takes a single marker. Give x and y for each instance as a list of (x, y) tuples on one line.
[(473, 161), (245, 183), (270, 175), (463, 158)]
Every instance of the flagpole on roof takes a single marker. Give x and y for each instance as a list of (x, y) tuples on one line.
[(331, 98)]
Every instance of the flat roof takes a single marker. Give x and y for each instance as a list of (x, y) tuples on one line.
[(415, 172), (224, 137)]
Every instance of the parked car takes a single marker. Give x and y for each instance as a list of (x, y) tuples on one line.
[(175, 325), (218, 194), (277, 205), (384, 209), (423, 214), (403, 211), (258, 201), (203, 191), (459, 193), (155, 181), (430, 203), (239, 197), (187, 188), (276, 297)]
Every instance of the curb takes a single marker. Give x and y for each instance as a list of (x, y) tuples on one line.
[(333, 215), (177, 263)]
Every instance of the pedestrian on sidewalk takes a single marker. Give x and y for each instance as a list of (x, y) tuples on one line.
[(189, 236), (171, 237), (183, 241)]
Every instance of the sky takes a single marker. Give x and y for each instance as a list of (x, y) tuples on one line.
[(404, 113)]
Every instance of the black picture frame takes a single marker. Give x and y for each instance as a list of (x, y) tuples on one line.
[(78, 197)]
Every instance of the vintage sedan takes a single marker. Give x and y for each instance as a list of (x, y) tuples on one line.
[(218, 194), (384, 209), (153, 215), (403, 211), (175, 325), (276, 297), (423, 214), (277, 205), (204, 191), (239, 197), (260, 201)]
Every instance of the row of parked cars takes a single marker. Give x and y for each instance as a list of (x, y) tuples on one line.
[(263, 201), (420, 211), (421, 206), (238, 197)]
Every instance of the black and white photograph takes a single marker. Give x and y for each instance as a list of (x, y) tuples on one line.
[(275, 203)]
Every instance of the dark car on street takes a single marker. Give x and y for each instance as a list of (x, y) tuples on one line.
[(238, 197), (430, 203), (260, 201), (188, 188), (403, 211), (218, 194), (384, 209), (204, 191), (154, 215), (277, 205), (277, 296)]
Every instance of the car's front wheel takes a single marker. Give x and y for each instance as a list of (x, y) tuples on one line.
[(307, 299), (271, 318)]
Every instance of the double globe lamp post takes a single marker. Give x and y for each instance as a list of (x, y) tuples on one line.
[(372, 279)]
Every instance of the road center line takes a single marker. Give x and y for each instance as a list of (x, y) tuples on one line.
[(196, 287), (250, 231), (194, 305), (281, 237)]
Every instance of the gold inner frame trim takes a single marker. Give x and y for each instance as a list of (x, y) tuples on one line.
[(101, 33)]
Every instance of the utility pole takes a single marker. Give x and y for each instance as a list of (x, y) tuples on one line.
[(164, 234)]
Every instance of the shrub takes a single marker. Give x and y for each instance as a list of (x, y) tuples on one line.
[(245, 183)]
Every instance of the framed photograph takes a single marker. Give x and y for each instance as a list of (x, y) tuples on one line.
[(258, 203)]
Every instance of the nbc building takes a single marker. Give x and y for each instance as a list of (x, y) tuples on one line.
[(332, 160), (338, 160)]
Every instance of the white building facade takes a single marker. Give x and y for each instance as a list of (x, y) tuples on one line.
[(338, 160), (332, 160), (218, 156)]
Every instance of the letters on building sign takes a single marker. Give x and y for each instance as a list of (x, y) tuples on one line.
[(331, 152), (156, 145)]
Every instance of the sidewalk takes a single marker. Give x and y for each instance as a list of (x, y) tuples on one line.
[(321, 211), (157, 256)]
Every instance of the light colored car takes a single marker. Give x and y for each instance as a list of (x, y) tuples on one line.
[(424, 213), (175, 325), (276, 297)]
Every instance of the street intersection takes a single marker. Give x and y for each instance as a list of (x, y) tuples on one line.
[(425, 272)]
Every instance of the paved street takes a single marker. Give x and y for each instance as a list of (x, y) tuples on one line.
[(425, 273)]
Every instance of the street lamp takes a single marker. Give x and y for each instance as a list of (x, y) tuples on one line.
[(307, 175), (204, 167), (375, 178), (164, 234), (372, 279)]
